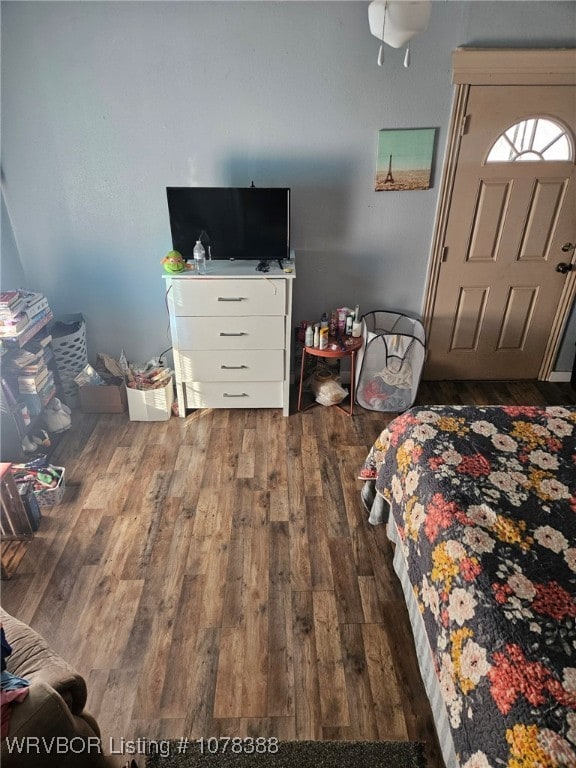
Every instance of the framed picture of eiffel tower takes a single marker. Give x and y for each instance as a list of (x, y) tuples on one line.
[(404, 159)]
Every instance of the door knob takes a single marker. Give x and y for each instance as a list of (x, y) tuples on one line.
[(567, 247), (564, 268)]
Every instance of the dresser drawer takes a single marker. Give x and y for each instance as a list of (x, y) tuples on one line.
[(224, 298), (215, 333), (230, 365), (259, 394)]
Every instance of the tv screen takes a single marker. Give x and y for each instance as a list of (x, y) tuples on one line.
[(233, 223)]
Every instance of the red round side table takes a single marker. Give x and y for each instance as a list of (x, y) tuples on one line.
[(334, 351)]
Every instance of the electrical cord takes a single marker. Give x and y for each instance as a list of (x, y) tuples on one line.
[(160, 361)]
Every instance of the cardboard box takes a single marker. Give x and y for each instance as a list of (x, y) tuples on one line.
[(106, 398), (151, 404)]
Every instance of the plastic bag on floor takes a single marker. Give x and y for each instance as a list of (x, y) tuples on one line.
[(327, 389)]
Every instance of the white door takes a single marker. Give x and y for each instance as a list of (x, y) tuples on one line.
[(510, 229)]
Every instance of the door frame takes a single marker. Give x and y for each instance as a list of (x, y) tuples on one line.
[(496, 66)]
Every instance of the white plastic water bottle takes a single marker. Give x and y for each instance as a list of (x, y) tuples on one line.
[(199, 258)]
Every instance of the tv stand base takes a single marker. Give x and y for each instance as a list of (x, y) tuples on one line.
[(264, 265)]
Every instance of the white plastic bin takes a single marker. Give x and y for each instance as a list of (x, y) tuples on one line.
[(70, 352)]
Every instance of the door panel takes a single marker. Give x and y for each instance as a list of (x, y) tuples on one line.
[(543, 212), (489, 216), (498, 290), (517, 317), (469, 317)]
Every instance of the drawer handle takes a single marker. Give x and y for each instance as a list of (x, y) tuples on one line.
[(227, 394), (242, 333), (233, 367), (234, 298)]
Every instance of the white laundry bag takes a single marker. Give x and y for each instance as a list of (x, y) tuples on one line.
[(390, 363)]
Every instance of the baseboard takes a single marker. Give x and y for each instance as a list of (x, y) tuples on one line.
[(560, 376)]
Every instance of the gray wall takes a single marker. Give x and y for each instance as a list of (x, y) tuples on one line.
[(104, 104), (12, 273)]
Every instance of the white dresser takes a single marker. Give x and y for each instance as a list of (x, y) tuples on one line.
[(231, 331)]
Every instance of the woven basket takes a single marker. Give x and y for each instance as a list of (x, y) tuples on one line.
[(52, 496)]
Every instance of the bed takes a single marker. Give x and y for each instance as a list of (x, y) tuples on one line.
[(480, 503)]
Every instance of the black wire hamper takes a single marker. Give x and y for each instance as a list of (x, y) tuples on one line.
[(389, 366)]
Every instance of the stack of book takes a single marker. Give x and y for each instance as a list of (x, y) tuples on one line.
[(12, 317), (29, 374), (22, 315), (26, 376)]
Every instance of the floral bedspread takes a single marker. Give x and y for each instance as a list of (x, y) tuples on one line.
[(485, 502)]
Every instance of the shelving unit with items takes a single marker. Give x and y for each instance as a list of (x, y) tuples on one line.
[(29, 372)]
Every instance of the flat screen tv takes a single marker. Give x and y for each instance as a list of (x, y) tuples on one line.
[(241, 223)]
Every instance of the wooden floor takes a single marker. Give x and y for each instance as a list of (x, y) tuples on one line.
[(216, 575)]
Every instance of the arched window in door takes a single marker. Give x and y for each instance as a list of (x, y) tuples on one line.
[(536, 139)]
